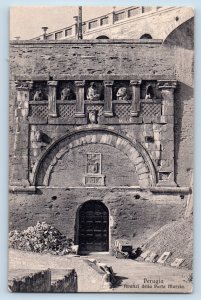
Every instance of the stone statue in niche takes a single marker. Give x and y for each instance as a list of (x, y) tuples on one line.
[(39, 141), (149, 92), (37, 95), (93, 117), (92, 92), (66, 94), (122, 93)]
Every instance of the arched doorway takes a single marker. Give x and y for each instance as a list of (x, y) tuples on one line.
[(93, 227)]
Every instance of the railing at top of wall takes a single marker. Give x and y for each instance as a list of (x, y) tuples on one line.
[(105, 20)]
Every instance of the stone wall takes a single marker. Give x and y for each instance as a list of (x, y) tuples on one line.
[(150, 60), (148, 148), (133, 214), (54, 281), (70, 170), (31, 60), (38, 282), (182, 40), (65, 284)]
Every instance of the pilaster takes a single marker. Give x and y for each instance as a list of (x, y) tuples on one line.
[(108, 99)]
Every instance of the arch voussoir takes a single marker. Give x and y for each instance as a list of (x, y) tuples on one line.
[(134, 151)]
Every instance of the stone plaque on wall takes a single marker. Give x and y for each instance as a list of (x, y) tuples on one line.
[(93, 170)]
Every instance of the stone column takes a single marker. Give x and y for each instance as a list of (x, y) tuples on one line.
[(108, 98), (135, 106), (20, 167), (167, 163), (52, 105), (80, 99)]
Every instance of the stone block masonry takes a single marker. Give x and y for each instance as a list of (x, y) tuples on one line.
[(103, 122), (58, 60), (68, 59), (134, 215), (64, 281), (35, 282), (54, 281)]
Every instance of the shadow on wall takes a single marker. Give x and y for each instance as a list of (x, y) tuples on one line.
[(183, 104), (182, 36)]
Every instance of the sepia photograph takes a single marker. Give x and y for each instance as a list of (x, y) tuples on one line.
[(101, 131)]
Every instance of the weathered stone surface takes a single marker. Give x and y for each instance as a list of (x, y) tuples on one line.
[(122, 163), (72, 167), (35, 282), (134, 218)]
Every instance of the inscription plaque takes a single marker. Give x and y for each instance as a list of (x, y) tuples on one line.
[(93, 170)]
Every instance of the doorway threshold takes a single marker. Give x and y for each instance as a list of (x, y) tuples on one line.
[(94, 253)]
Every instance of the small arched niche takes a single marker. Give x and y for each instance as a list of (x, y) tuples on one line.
[(146, 36), (102, 37)]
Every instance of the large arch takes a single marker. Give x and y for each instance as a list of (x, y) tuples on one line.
[(178, 20), (182, 36), (83, 135)]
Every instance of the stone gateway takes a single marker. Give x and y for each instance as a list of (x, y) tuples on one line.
[(97, 137)]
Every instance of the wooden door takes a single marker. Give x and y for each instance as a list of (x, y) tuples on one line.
[(93, 227)]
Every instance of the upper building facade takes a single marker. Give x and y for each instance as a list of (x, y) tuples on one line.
[(130, 23)]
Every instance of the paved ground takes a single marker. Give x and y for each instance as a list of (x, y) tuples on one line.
[(132, 276), (135, 276)]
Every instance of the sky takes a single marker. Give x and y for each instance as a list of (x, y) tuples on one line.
[(26, 21)]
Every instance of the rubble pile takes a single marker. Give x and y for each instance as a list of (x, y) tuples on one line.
[(42, 238)]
